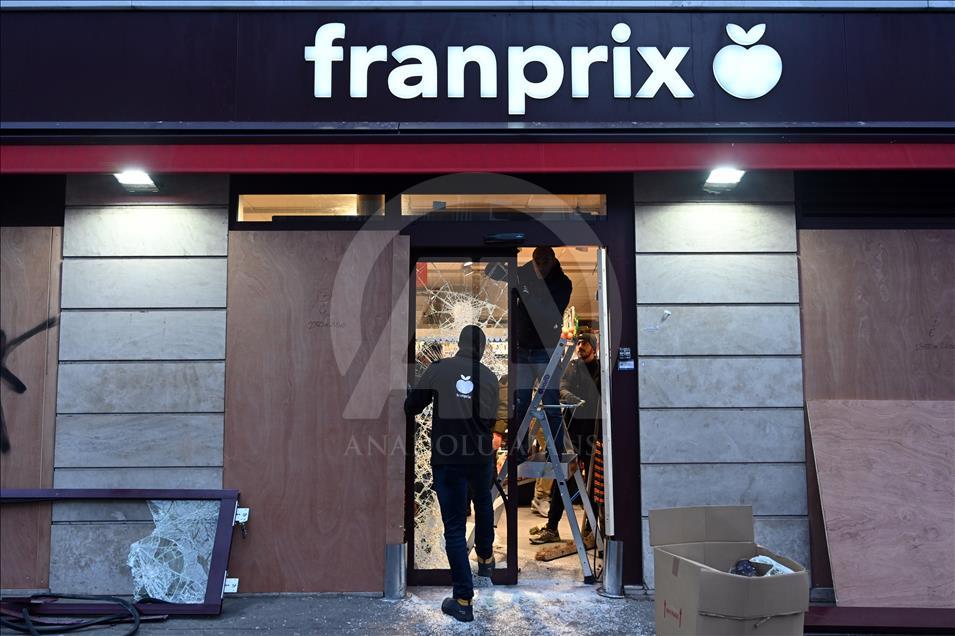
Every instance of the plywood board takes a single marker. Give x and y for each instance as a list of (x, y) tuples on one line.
[(886, 473), (29, 287), (314, 377), (876, 325), (877, 314)]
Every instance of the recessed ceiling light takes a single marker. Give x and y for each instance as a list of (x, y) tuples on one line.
[(136, 181)]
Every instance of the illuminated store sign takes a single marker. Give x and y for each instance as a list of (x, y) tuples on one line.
[(556, 72), (746, 73)]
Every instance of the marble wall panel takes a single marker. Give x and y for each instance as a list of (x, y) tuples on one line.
[(144, 283), (671, 436), (143, 335), (715, 227), (786, 536), (717, 279), (720, 382), (88, 511), (138, 440), (144, 279), (146, 231), (718, 330), (170, 478), (91, 558), (772, 489), (141, 387)]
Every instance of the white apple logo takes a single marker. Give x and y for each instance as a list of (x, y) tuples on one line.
[(464, 385), (747, 73)]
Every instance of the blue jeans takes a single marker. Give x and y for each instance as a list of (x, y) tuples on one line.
[(451, 483), (530, 368)]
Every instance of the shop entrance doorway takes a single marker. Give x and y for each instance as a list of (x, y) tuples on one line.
[(450, 292), (471, 287), (595, 226)]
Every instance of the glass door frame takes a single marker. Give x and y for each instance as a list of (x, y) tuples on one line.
[(501, 576)]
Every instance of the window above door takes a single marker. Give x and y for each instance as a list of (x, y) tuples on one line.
[(537, 204), (269, 207)]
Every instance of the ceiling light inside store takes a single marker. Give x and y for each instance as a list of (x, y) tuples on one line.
[(723, 179), (136, 181)]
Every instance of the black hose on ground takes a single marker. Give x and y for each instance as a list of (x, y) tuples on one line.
[(27, 627)]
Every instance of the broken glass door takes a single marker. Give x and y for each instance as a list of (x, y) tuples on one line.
[(450, 293)]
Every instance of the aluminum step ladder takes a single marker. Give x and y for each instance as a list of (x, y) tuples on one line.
[(551, 464)]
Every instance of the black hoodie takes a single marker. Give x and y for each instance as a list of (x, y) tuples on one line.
[(465, 395), (540, 307)]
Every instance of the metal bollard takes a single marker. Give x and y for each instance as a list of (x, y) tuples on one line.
[(396, 571), (613, 570)]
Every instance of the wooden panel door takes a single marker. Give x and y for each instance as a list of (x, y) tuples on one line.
[(29, 294), (317, 337)]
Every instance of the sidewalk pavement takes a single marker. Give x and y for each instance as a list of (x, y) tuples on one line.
[(535, 608)]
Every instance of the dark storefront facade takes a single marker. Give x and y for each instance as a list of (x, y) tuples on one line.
[(251, 322)]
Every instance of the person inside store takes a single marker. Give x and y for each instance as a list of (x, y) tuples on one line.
[(542, 293), (579, 385), (465, 397)]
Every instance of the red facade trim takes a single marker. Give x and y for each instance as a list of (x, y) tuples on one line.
[(397, 158)]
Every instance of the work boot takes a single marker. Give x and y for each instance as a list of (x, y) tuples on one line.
[(546, 535), (485, 566), (458, 609)]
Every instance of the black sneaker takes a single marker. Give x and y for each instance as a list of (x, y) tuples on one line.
[(485, 568), (546, 535), (454, 609)]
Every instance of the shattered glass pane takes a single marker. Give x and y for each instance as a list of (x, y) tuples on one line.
[(172, 563), (449, 297)]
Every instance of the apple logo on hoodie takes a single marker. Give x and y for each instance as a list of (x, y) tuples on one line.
[(464, 386), (747, 73)]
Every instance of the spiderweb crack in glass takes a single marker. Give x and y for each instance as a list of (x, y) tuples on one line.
[(172, 563), (447, 311)]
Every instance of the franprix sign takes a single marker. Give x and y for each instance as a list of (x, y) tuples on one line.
[(746, 73), (478, 70)]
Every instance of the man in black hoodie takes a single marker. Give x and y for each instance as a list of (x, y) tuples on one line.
[(465, 396), (543, 293)]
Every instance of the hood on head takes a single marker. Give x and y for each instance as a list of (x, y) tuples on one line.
[(472, 342)]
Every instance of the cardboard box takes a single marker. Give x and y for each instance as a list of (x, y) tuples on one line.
[(693, 552)]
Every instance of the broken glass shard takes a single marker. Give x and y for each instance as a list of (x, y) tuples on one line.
[(172, 563)]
